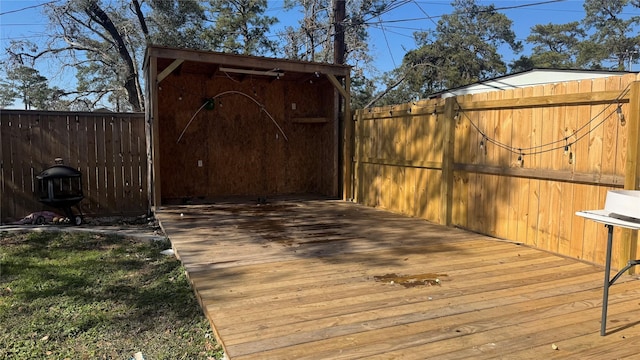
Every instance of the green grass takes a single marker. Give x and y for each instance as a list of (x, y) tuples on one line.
[(89, 296)]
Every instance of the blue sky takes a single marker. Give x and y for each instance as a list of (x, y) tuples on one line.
[(389, 40)]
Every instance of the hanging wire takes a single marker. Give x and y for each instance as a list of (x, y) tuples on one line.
[(189, 123), (553, 145), (262, 108)]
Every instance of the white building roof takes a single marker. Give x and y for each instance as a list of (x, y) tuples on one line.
[(527, 78)]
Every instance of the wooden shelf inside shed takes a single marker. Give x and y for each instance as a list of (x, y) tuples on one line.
[(310, 120)]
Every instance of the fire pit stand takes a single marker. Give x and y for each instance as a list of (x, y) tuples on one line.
[(60, 186)]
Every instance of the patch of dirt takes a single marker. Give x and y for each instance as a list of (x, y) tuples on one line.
[(409, 281)]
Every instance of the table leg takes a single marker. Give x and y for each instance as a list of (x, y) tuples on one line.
[(607, 270)]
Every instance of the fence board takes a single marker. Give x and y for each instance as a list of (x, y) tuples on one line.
[(521, 136), (534, 204), (93, 186), (24, 173), (495, 203), (139, 163), (113, 161)]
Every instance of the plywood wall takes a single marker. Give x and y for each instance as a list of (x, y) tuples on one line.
[(236, 149), (532, 201)]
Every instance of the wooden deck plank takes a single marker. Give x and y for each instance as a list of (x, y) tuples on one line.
[(442, 333), (324, 312), (359, 287), (311, 272), (590, 346), (297, 280), (385, 332)]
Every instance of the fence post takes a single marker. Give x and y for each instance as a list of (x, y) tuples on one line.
[(629, 238), (446, 186)]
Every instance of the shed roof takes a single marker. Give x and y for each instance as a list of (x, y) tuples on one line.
[(209, 62)]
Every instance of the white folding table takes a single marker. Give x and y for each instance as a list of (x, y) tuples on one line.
[(610, 220)]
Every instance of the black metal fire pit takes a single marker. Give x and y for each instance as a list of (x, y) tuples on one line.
[(60, 186)]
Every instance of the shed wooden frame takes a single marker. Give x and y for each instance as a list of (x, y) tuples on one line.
[(303, 99)]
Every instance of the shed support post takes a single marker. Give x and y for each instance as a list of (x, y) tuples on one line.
[(347, 141), (151, 127)]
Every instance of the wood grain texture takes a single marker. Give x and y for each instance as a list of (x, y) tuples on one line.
[(491, 193), (108, 148), (296, 279)]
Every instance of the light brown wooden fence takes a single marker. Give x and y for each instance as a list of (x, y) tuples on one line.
[(495, 163), (108, 148)]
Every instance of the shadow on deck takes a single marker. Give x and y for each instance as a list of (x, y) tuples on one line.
[(322, 279)]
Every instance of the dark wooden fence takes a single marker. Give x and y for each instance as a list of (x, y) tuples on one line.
[(108, 148)]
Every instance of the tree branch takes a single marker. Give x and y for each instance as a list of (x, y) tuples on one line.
[(394, 85)]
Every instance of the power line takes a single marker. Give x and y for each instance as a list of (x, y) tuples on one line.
[(28, 7), (19, 24), (479, 11), (386, 40), (425, 13), (24, 37)]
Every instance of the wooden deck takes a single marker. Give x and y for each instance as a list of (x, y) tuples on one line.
[(315, 279)]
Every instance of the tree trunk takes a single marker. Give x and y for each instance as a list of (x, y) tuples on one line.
[(131, 74)]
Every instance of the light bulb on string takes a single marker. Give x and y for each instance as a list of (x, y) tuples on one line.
[(520, 160), (571, 159), (567, 146), (621, 118)]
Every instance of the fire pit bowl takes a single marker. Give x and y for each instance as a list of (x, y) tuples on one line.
[(60, 186)]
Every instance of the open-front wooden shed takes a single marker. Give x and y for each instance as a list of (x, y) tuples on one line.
[(225, 125)]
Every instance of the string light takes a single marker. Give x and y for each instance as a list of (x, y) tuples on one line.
[(579, 134), (520, 160), (483, 144), (551, 146), (571, 158), (621, 118)]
